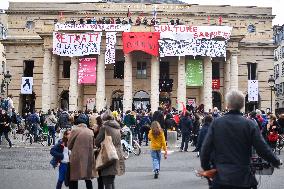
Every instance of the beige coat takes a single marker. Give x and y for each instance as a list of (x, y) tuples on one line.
[(113, 129), (81, 144)]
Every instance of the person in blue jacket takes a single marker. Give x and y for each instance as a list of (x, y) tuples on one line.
[(60, 154)]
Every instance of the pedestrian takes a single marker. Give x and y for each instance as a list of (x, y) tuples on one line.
[(158, 142), (186, 128), (159, 116), (81, 144), (51, 121), (60, 155), (195, 129), (10, 105), (145, 123), (203, 131), (232, 138), (272, 131), (117, 168), (14, 123), (281, 123), (64, 119), (5, 126)]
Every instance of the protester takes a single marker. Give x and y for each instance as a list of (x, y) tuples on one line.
[(60, 155), (145, 123), (215, 113), (158, 142), (186, 128), (64, 119), (111, 128), (10, 105), (5, 126), (51, 121), (203, 131), (272, 131), (159, 116), (232, 137), (81, 144)]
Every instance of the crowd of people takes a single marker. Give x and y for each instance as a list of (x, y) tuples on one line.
[(224, 140)]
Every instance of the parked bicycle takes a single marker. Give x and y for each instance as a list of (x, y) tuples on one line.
[(128, 144)]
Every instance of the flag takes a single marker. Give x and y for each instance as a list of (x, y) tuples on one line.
[(61, 15), (128, 13), (183, 108), (208, 20), (220, 20), (155, 12)]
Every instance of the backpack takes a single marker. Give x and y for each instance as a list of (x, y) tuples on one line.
[(5, 104), (64, 120)]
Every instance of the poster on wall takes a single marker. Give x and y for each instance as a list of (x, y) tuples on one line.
[(110, 47), (197, 32), (71, 44), (143, 41), (91, 102), (252, 90), (193, 47), (27, 85), (194, 73), (87, 71), (216, 84)]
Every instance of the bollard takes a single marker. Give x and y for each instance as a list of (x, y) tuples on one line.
[(172, 139)]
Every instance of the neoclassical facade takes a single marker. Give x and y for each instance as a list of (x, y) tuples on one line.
[(135, 78)]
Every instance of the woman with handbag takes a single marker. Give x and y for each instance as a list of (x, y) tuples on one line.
[(109, 169), (81, 144), (272, 131)]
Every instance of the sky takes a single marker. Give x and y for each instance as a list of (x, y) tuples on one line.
[(277, 5)]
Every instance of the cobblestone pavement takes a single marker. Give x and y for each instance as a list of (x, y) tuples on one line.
[(28, 167)]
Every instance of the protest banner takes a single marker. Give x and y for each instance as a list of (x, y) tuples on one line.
[(92, 27), (87, 71)]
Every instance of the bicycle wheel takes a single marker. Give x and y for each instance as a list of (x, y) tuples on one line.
[(125, 152), (136, 148)]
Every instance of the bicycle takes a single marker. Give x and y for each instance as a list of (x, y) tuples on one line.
[(129, 147)]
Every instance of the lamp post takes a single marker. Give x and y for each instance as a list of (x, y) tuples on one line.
[(271, 82), (7, 79)]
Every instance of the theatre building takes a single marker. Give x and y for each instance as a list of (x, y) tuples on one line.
[(81, 55)]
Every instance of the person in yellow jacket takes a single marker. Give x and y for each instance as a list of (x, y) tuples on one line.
[(158, 142)]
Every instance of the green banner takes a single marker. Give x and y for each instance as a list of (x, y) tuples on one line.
[(194, 73)]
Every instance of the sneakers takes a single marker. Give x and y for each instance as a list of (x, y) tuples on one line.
[(156, 174)]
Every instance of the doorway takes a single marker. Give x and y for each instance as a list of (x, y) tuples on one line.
[(117, 99)]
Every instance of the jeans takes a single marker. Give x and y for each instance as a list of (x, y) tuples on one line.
[(144, 129), (184, 141), (74, 184), (156, 159), (6, 137), (51, 132), (62, 173), (108, 181), (218, 186)]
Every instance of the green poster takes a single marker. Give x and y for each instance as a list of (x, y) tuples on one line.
[(194, 73)]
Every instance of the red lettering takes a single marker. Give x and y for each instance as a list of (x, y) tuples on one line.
[(62, 39), (157, 28), (176, 27), (194, 29), (201, 34), (164, 28), (195, 35), (70, 38), (207, 34), (182, 29), (84, 38)]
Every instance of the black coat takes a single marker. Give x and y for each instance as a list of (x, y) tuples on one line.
[(4, 118), (185, 125), (231, 138), (202, 133), (158, 116)]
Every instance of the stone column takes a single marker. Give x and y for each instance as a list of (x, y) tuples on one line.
[(73, 88), (234, 84), (181, 88), (127, 96), (207, 86), (155, 76), (227, 79), (100, 94), (54, 82), (45, 94)]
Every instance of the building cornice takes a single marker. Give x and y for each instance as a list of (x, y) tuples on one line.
[(8, 42)]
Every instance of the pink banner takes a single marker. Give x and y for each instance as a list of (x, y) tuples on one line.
[(87, 71)]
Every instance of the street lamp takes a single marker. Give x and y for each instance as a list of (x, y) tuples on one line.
[(271, 82), (7, 79)]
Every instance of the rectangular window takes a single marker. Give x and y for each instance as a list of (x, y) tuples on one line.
[(164, 70), (66, 68), (252, 71), (28, 68), (118, 70), (215, 70), (141, 70)]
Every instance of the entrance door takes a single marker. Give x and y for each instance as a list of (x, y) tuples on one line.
[(64, 100), (216, 100), (28, 102), (252, 106), (117, 99), (141, 101)]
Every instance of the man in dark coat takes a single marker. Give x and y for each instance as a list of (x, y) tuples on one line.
[(232, 138), (159, 116), (5, 126), (185, 128)]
